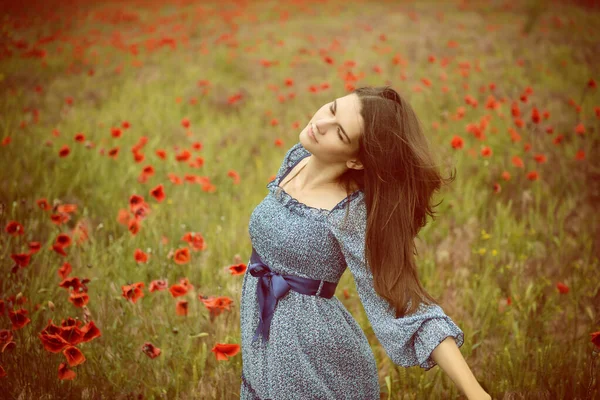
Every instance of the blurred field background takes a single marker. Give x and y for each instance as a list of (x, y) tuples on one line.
[(137, 138)]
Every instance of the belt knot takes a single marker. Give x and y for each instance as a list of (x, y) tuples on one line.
[(271, 286)]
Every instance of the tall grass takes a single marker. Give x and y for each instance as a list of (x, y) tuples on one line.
[(515, 265)]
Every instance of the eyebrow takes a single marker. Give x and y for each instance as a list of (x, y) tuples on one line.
[(338, 124)]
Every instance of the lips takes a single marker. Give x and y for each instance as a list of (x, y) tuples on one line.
[(312, 133)]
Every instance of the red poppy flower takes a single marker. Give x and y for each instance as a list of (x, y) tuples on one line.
[(43, 204), (123, 216), (216, 305), (59, 249), (63, 240), (114, 152), (90, 332), (74, 356), (51, 329), (18, 318), (532, 175), (14, 228), (8, 346), (158, 193), (457, 142), (238, 269), (223, 351), (161, 154), (79, 299), (185, 282), (64, 373), (181, 307), (134, 226), (184, 155), (159, 284), (22, 259), (74, 282), (34, 247), (142, 211), (178, 290), (72, 334), (182, 256), (64, 151), (149, 170), (70, 322), (135, 201), (65, 270), (133, 292), (66, 208), (138, 157), (5, 336), (535, 115), (140, 256), (562, 288), (196, 240), (596, 339), (486, 151), (150, 350), (517, 162), (53, 343)]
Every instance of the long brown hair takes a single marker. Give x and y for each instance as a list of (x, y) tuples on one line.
[(398, 181)]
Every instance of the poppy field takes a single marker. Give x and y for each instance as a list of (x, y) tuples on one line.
[(137, 137)]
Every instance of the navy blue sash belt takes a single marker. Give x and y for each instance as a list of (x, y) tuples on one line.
[(272, 286)]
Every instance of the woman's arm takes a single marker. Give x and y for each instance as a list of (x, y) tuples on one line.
[(450, 359)]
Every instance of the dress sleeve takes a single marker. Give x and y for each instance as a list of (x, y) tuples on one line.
[(408, 341), (294, 153)]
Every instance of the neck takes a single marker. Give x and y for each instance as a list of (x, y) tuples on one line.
[(318, 176)]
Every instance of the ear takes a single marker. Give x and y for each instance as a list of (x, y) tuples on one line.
[(354, 164)]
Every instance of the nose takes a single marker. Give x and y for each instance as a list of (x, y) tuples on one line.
[(322, 124)]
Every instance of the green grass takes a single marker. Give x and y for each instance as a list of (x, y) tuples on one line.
[(483, 248)]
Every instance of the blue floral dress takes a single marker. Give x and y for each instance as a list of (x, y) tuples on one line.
[(316, 349)]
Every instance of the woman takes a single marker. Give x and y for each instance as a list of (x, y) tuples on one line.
[(354, 192)]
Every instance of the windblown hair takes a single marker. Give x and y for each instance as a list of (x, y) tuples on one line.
[(398, 180)]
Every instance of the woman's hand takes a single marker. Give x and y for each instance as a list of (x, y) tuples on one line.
[(483, 395)]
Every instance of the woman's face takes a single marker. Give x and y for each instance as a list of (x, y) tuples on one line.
[(337, 127)]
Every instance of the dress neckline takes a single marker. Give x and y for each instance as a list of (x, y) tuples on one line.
[(292, 203)]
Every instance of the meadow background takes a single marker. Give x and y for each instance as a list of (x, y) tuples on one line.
[(137, 137)]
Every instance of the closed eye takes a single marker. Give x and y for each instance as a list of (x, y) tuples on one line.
[(338, 129)]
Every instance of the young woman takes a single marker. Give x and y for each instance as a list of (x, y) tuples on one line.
[(354, 192)]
